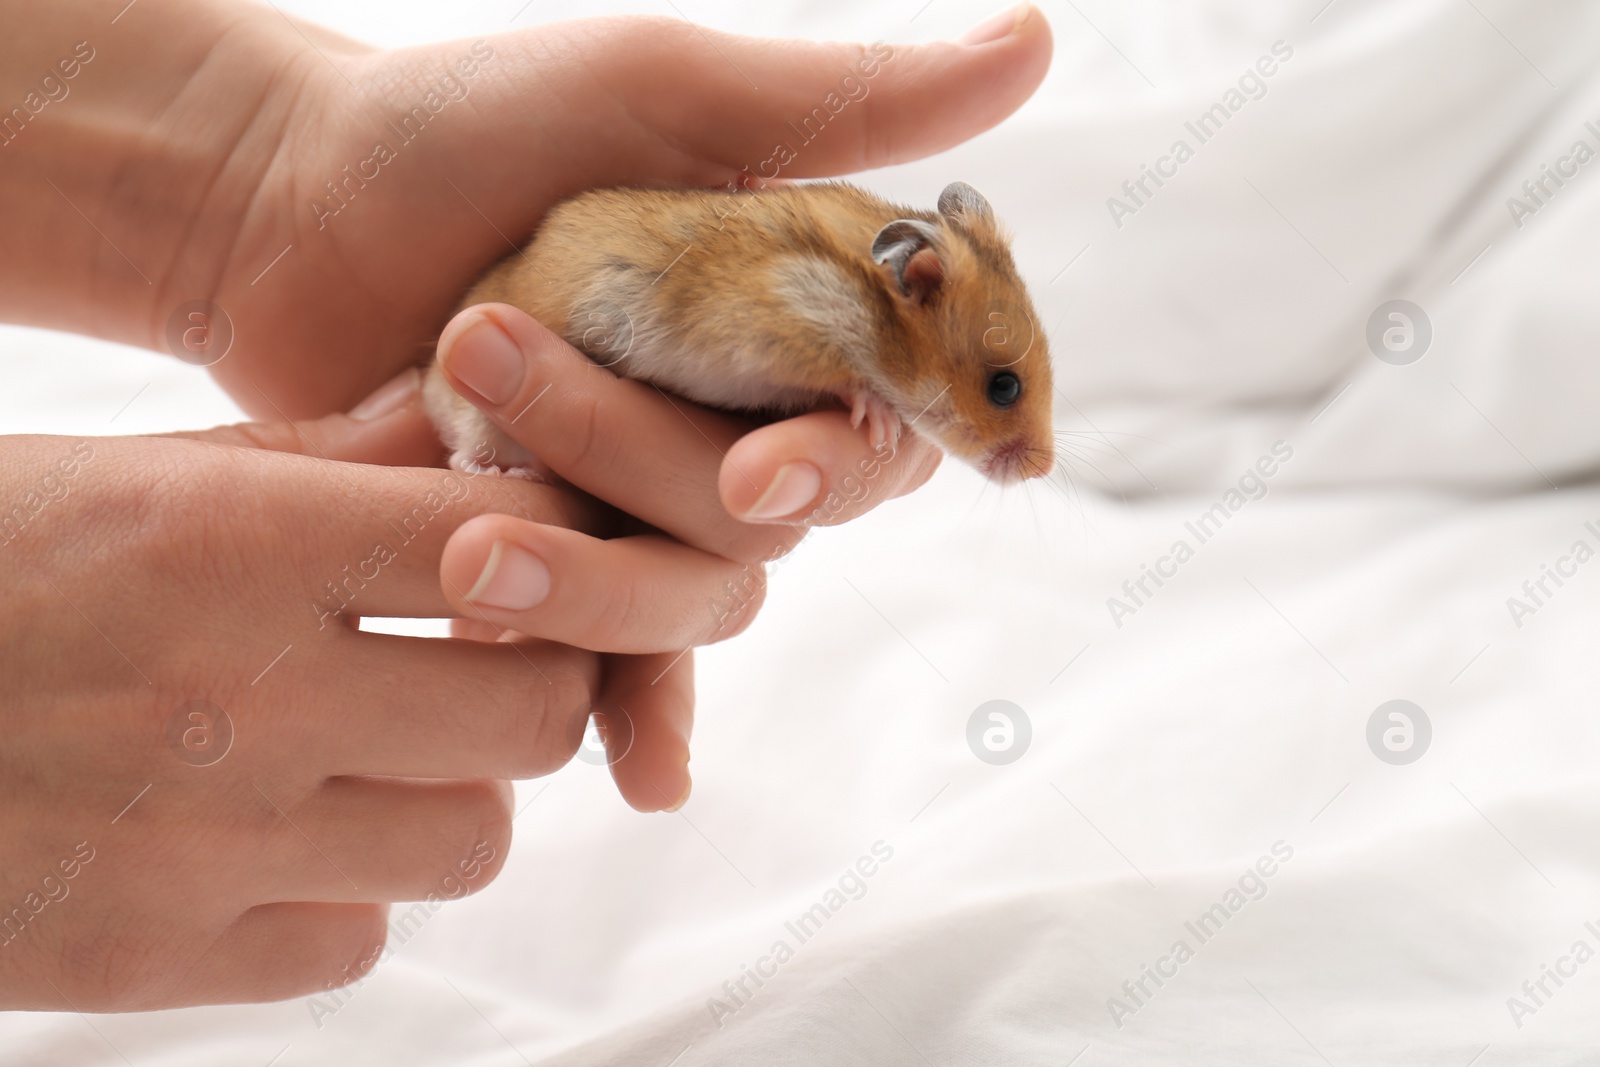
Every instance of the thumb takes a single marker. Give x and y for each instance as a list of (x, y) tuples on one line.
[(684, 105), (389, 427)]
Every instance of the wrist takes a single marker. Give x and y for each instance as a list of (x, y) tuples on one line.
[(130, 148)]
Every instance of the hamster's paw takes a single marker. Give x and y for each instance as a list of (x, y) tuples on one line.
[(467, 463), (883, 422)]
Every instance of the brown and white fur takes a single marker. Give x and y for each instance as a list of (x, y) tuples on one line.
[(782, 300)]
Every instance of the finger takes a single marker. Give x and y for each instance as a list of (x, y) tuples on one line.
[(629, 594), (374, 840), (818, 470), (588, 425), (684, 105), (432, 708), (389, 427), (381, 557), (646, 713), (278, 951), (326, 542), (474, 629)]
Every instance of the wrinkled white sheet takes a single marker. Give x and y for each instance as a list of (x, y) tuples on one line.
[(1225, 715)]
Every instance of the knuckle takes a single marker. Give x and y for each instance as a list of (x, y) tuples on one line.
[(487, 860), (647, 34), (738, 602), (492, 827), (915, 474), (357, 943), (536, 742), (758, 545), (586, 442), (621, 602), (526, 751), (269, 437), (114, 970), (476, 864)]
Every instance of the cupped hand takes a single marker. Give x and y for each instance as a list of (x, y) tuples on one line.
[(213, 781), (380, 252)]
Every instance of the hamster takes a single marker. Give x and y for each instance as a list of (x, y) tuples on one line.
[(780, 300)]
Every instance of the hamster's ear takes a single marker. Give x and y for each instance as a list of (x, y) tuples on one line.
[(964, 205), (906, 246)]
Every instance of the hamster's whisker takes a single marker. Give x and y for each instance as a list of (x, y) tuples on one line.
[(1065, 460), (1086, 442), (1068, 491), (1035, 461), (1033, 510), (1065, 450), (1066, 457), (1108, 433), (983, 489), (1034, 465)]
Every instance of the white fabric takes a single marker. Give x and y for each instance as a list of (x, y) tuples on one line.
[(1228, 712)]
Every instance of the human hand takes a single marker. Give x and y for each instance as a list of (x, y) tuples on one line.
[(256, 138), (678, 474), (155, 851), (557, 109)]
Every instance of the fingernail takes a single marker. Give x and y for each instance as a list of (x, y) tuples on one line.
[(681, 800), (1002, 25), (794, 486), (391, 396), (486, 360), (513, 579)]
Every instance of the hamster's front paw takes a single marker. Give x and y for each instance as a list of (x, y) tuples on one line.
[(468, 463), (883, 421)]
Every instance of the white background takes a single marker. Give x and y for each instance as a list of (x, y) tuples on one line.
[(1169, 753)]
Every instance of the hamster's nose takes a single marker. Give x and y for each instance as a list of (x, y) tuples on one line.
[(1018, 460)]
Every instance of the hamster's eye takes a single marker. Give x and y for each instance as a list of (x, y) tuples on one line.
[(1004, 389)]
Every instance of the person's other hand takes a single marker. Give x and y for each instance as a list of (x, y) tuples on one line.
[(677, 474), (212, 781)]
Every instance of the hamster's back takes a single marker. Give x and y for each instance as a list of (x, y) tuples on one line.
[(734, 299)]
